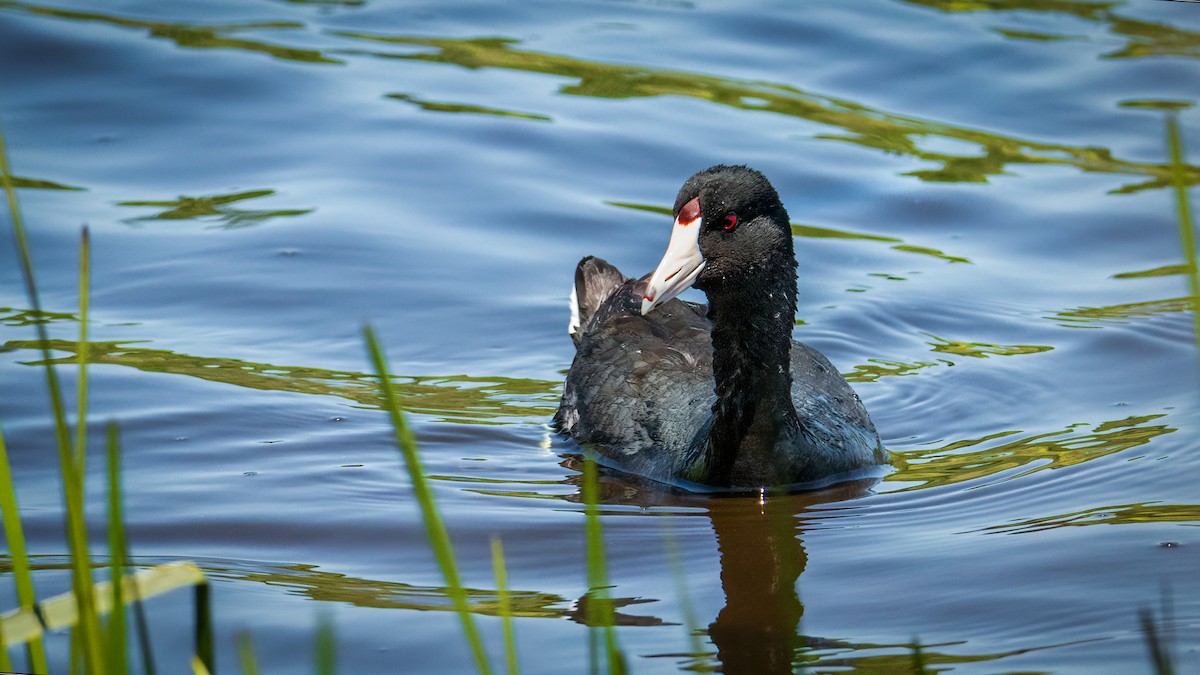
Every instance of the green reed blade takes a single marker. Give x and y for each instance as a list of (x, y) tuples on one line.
[(204, 625), (690, 624), (1156, 645), (504, 607), (325, 647), (118, 644), (85, 267), (435, 530), (918, 659), (198, 667), (599, 605), (142, 624), (76, 658), (72, 479), (5, 662), (246, 657), (1183, 212), (1159, 633), (22, 575)]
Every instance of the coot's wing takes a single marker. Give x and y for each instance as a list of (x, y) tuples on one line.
[(841, 435), (640, 386)]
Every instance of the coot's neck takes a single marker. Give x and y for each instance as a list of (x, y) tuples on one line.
[(752, 341)]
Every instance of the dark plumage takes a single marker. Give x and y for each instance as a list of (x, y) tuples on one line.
[(718, 395)]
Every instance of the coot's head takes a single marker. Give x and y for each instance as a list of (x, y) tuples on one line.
[(730, 230)]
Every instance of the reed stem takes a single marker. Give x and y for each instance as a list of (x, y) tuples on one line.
[(91, 644), (504, 607), (435, 529)]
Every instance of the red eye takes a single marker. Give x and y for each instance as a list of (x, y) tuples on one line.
[(730, 223)]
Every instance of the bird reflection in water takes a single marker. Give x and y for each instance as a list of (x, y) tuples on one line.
[(762, 555)]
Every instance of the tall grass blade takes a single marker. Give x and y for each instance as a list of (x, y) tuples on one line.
[(1183, 212), (326, 647), (599, 605), (504, 607), (118, 643), (1159, 634), (143, 629), (439, 538), (85, 267), (5, 661), (1155, 643), (13, 533), (691, 624), (918, 659), (198, 667), (204, 625), (246, 654), (72, 479)]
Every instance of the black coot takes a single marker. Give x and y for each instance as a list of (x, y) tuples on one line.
[(718, 395)]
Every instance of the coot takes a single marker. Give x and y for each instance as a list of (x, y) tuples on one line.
[(717, 395)]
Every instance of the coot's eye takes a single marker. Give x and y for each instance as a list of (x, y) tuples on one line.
[(730, 222)]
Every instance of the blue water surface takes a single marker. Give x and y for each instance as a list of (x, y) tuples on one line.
[(989, 245)]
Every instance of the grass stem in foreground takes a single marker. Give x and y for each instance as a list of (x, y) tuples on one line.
[(326, 647), (1158, 633), (504, 607), (599, 606), (81, 386), (22, 575), (118, 660), (918, 659), (245, 647), (435, 529), (690, 624), (72, 478), (1183, 212)]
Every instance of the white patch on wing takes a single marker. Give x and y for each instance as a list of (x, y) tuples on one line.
[(574, 325)]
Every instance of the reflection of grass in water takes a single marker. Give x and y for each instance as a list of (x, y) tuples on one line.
[(440, 106), (1120, 514), (982, 350), (1164, 271), (459, 398), (865, 126), (38, 184), (974, 459), (877, 368), (814, 232), (1092, 317), (190, 35), (215, 207), (1144, 38)]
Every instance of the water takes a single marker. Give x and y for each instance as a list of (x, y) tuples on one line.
[(987, 249)]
